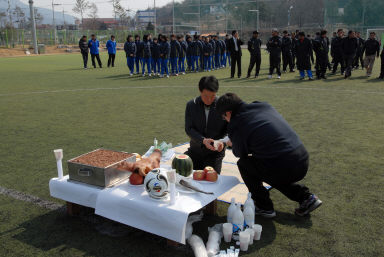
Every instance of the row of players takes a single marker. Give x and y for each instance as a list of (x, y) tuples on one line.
[(209, 53)]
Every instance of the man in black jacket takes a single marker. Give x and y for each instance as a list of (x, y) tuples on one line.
[(372, 49), (337, 52), (286, 48), (321, 48), (303, 53), (83, 45), (349, 46), (359, 54), (254, 46), (274, 49), (234, 47), (270, 151), (204, 125)]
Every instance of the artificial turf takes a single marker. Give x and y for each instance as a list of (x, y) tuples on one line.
[(49, 102)]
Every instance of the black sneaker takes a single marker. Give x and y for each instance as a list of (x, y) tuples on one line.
[(265, 213), (309, 205)]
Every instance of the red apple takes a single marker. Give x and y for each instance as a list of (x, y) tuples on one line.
[(136, 179), (211, 176), (199, 175), (208, 168)]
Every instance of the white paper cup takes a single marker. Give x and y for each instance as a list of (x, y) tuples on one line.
[(227, 231), (244, 240), (251, 235), (257, 228)]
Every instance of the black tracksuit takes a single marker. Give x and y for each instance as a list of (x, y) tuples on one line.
[(293, 43), (286, 48), (197, 129), (303, 53), (371, 47), (349, 46), (274, 49), (337, 54), (83, 45), (270, 151), (321, 48), (359, 53), (254, 48)]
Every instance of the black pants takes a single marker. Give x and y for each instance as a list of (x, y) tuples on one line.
[(200, 161), (322, 63), (281, 173), (111, 59), (98, 60), (382, 66), (293, 60), (287, 60), (358, 57), (274, 63), (255, 59), (235, 59), (348, 61), (336, 61), (85, 59)]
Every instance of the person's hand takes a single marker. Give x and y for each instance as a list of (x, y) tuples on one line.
[(229, 143), (208, 142), (220, 146)]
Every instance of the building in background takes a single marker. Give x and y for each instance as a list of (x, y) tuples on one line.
[(143, 18)]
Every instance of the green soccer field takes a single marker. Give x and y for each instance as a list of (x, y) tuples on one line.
[(49, 102)]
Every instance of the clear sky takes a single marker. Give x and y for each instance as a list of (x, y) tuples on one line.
[(104, 6)]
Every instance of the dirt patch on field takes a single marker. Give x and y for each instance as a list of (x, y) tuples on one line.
[(20, 51)]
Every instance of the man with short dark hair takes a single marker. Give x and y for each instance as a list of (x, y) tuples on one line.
[(111, 46), (303, 52), (286, 48), (349, 46), (139, 53), (94, 45), (321, 48), (270, 151), (274, 49), (204, 125), (234, 46), (359, 54), (372, 49), (337, 52), (254, 48), (84, 49)]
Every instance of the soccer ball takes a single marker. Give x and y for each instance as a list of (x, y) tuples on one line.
[(156, 183)]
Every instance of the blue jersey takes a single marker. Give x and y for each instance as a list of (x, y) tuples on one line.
[(111, 46), (94, 46)]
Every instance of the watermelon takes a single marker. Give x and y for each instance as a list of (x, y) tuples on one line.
[(183, 165)]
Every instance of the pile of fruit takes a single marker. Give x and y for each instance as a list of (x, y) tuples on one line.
[(208, 174)]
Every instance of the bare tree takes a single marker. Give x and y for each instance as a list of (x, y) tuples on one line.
[(80, 8), (3, 19), (20, 16), (122, 13), (93, 15)]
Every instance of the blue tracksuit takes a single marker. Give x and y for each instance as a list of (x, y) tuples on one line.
[(189, 55), (217, 54), (223, 53), (93, 46), (195, 55), (165, 50), (130, 52), (174, 54), (213, 44), (111, 46), (155, 51), (201, 44), (146, 56), (139, 54)]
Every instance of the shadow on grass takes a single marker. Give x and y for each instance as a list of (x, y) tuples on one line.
[(92, 235), (290, 219)]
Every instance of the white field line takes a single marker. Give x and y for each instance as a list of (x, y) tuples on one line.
[(161, 87)]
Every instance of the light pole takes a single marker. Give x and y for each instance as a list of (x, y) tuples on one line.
[(154, 25), (53, 21), (257, 18), (33, 23), (289, 15), (173, 17)]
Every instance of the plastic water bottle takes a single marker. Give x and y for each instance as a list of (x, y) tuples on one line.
[(231, 210), (249, 202), (238, 220), (155, 143), (249, 216)]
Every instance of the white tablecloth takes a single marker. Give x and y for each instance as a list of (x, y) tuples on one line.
[(132, 206)]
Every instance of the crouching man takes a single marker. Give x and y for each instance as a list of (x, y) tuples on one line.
[(270, 151)]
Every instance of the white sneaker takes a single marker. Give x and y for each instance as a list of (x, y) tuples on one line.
[(161, 76), (167, 76), (150, 75), (130, 74), (183, 73), (270, 76), (278, 77)]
